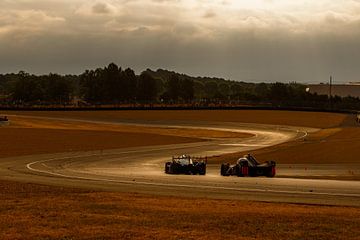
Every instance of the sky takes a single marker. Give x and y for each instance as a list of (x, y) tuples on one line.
[(244, 40)]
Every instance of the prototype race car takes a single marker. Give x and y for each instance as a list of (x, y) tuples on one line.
[(248, 166), (4, 119), (186, 165)]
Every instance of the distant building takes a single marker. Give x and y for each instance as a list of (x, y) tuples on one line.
[(342, 90)]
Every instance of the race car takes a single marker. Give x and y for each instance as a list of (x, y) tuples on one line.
[(186, 164), (4, 119), (248, 166)]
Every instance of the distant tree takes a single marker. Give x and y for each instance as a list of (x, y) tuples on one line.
[(279, 92), (173, 87), (28, 89), (57, 88), (130, 85), (236, 91), (262, 91), (224, 90), (91, 85), (113, 84), (187, 91), (199, 89), (211, 89), (147, 88)]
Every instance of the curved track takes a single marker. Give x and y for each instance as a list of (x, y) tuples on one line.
[(141, 169)]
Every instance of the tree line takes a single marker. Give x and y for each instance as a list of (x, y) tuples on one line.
[(114, 85)]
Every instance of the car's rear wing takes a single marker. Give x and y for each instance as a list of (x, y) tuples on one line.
[(193, 159), (200, 159)]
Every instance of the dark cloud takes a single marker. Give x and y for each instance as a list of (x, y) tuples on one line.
[(209, 14), (240, 42), (101, 8)]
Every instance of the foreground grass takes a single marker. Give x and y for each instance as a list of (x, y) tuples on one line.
[(29, 211)]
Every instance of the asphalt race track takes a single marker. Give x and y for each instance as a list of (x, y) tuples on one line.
[(142, 169)]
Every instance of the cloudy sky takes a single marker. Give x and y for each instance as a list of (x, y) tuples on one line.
[(249, 40)]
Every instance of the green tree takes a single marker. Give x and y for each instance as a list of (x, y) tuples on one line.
[(173, 87), (147, 88), (130, 85), (187, 90), (211, 89)]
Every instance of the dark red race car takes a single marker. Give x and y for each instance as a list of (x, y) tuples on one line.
[(248, 166)]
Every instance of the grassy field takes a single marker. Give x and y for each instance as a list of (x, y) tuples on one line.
[(29, 141), (328, 146), (338, 139), (29, 211), (306, 119), (26, 136)]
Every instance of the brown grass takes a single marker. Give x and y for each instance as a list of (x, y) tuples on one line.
[(28, 122), (29, 141), (29, 211), (326, 146), (27, 136), (339, 145), (307, 119)]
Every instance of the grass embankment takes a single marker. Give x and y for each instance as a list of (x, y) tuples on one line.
[(328, 146), (27, 136), (337, 142), (30, 211), (29, 141), (305, 119), (325, 146)]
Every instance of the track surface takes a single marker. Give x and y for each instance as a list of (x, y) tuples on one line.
[(141, 169)]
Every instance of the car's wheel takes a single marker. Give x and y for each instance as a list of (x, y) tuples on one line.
[(203, 170), (224, 169), (173, 169), (272, 172), (168, 167), (243, 169), (260, 172), (237, 170)]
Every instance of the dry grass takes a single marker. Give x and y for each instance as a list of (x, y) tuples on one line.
[(329, 146), (307, 119), (27, 136), (29, 141), (28, 122), (29, 211), (326, 146)]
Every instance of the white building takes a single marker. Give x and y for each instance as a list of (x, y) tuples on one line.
[(341, 90)]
